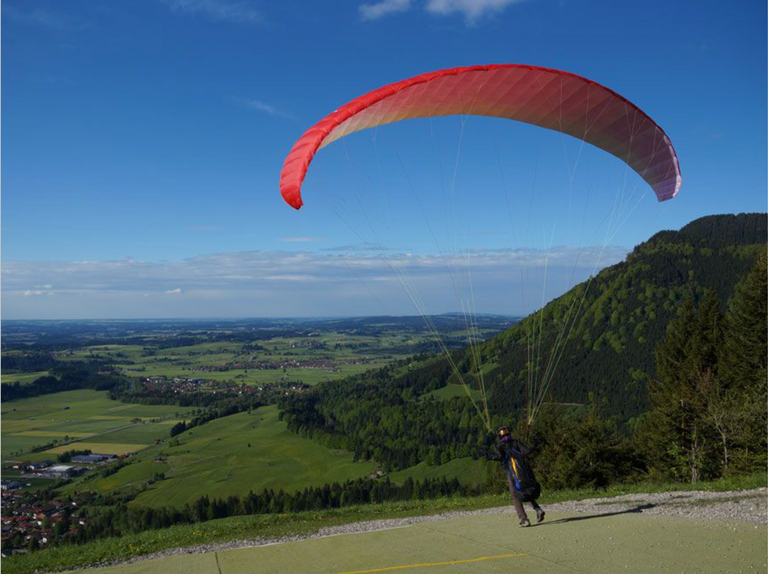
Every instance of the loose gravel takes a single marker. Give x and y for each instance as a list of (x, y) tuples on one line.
[(742, 505)]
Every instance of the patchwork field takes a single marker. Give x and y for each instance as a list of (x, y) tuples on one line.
[(238, 454), (99, 447), (321, 357), (112, 426), (227, 456)]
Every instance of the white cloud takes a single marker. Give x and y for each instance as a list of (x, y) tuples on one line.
[(305, 283), (356, 247), (472, 10), (263, 107), (383, 8), (37, 293), (220, 10)]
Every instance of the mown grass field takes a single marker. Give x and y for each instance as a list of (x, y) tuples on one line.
[(89, 418)]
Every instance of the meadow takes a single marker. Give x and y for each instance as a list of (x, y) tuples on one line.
[(81, 419), (233, 455), (22, 378), (468, 470), (244, 452)]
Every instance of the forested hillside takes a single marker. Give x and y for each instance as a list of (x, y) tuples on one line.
[(613, 324), (624, 315)]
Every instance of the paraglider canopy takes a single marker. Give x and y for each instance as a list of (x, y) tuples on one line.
[(544, 97)]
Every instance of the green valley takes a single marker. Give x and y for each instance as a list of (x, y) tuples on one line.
[(210, 421)]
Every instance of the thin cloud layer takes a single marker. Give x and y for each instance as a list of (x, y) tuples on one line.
[(283, 283), (471, 10), (219, 10), (383, 8), (263, 107)]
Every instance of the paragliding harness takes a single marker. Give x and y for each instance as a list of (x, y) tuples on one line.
[(526, 487), (512, 455)]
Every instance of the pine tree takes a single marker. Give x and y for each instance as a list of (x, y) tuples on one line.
[(676, 436), (746, 356), (744, 368)]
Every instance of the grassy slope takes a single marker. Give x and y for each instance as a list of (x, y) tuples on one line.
[(22, 378), (452, 390), (244, 527), (467, 470), (215, 459)]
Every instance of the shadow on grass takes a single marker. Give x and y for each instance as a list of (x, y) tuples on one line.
[(635, 510)]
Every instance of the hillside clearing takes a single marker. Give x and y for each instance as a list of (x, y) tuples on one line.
[(245, 452)]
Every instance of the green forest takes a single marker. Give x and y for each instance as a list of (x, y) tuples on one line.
[(662, 375)]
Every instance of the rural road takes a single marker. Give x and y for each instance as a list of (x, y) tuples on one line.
[(691, 533)]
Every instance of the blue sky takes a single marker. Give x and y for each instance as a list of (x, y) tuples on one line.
[(144, 141)]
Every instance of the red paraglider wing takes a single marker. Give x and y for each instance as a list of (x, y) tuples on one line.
[(543, 97)]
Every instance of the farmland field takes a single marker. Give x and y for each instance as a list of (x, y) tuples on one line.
[(252, 352), (80, 416), (206, 364), (306, 359)]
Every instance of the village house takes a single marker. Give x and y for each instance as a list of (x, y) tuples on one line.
[(11, 485)]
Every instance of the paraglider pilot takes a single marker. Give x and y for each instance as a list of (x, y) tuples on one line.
[(512, 455)]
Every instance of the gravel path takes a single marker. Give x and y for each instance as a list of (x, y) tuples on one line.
[(741, 505)]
